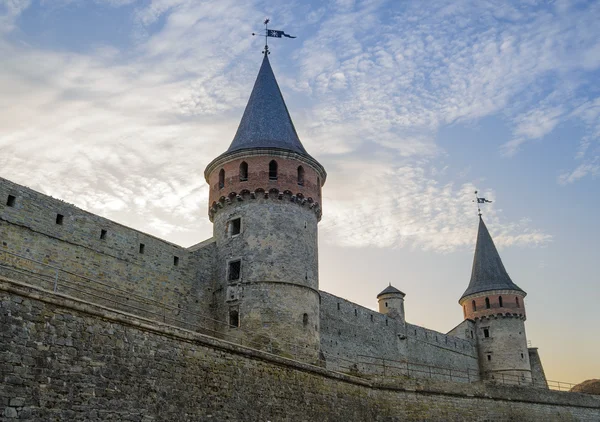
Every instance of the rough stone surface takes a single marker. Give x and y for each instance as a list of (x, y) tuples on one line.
[(278, 283), (503, 355), (352, 335), (110, 270), (120, 368)]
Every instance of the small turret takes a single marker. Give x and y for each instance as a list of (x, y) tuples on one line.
[(497, 307), (391, 302)]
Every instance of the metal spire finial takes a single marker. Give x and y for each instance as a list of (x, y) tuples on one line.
[(478, 201), (271, 33)]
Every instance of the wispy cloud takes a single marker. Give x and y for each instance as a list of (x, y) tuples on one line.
[(371, 84)]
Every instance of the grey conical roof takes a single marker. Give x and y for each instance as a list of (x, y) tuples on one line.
[(390, 289), (488, 271), (266, 122)]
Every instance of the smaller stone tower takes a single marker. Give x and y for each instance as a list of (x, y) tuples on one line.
[(497, 307), (391, 302)]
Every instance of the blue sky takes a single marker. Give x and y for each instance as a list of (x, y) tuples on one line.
[(118, 105)]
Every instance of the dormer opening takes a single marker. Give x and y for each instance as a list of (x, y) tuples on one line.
[(222, 179), (243, 171), (300, 176), (273, 170)]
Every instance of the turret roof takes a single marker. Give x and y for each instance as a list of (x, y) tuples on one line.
[(390, 290), (266, 122), (488, 271)]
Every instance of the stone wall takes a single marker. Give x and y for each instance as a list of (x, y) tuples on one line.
[(443, 352), (503, 354), (356, 337), (537, 369), (64, 359), (276, 295), (96, 258)]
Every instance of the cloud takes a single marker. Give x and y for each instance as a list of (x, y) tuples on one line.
[(127, 132), (583, 170), (404, 205)]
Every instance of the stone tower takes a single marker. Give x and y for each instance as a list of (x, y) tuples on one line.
[(391, 302), (497, 307), (265, 204)]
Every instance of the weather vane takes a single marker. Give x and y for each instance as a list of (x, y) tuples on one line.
[(478, 201), (271, 33)]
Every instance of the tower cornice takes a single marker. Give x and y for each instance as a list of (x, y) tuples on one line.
[(272, 152)]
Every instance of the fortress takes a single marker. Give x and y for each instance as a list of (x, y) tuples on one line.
[(103, 322)]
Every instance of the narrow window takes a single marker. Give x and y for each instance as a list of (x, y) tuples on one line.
[(486, 332), (10, 202), (235, 226), (471, 333), (59, 219), (386, 321), (371, 318), (305, 319), (489, 357), (234, 270), (518, 305), (386, 304), (221, 179), (355, 312), (102, 234), (234, 318), (273, 170), (522, 356), (500, 301), (338, 306), (487, 303), (243, 171), (300, 175), (176, 261), (473, 305), (142, 248)]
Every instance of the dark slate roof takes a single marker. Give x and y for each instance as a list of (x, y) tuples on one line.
[(488, 271), (390, 289), (266, 122)]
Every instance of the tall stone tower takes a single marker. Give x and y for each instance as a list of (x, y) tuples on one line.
[(497, 307), (265, 204)]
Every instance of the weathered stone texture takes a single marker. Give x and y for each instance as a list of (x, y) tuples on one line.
[(379, 345), (537, 370), (503, 355), (62, 359), (278, 283), (109, 270)]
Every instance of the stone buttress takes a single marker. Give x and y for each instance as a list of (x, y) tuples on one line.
[(265, 204), (497, 307)]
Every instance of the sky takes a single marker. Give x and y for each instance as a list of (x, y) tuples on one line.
[(117, 106)]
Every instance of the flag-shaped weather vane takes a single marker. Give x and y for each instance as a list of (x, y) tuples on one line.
[(271, 33), (479, 201)]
